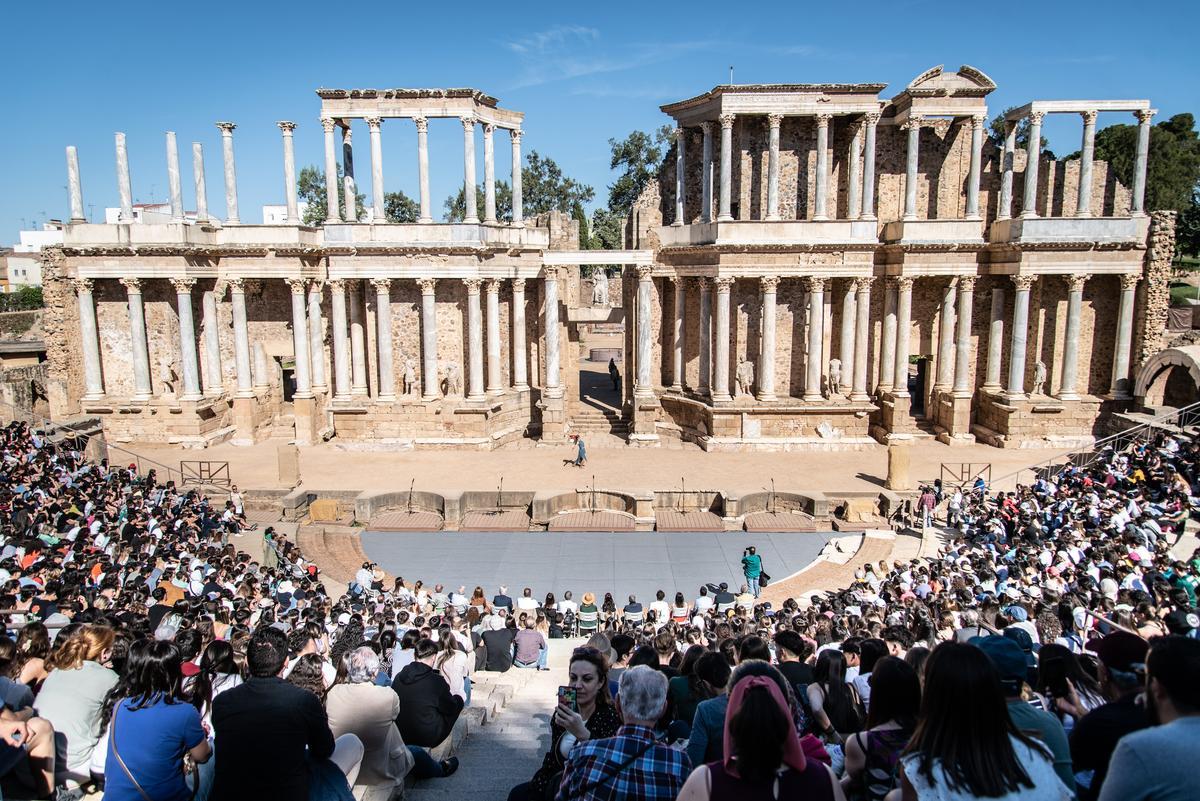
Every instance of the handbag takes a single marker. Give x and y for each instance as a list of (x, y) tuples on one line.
[(763, 579)]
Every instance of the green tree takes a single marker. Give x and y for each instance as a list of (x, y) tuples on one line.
[(638, 157), (1187, 229), (456, 204), (996, 133), (400, 208), (544, 187), (607, 230), (310, 187), (1173, 168)]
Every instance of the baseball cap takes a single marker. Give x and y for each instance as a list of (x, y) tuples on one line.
[(1182, 621), (1008, 658), (1121, 651)]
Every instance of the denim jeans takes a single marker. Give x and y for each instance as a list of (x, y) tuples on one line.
[(753, 584), (425, 766), (540, 664)]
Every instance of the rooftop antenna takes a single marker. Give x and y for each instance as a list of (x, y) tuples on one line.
[(731, 75)]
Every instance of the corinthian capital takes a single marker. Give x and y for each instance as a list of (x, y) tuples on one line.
[(723, 283), (426, 285), (774, 120), (823, 118), (1035, 117), (1144, 115), (1089, 116), (515, 134), (422, 124), (473, 285), (83, 286), (644, 272), (966, 283), (237, 286), (1075, 281), (297, 285), (726, 120), (373, 123), (1129, 281), (1023, 283), (287, 126), (328, 124), (468, 123), (815, 283), (337, 285), (226, 128), (132, 285), (768, 283), (183, 285), (382, 285)]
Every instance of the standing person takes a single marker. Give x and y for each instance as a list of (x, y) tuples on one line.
[(752, 569), (614, 373), (926, 504), (580, 452)]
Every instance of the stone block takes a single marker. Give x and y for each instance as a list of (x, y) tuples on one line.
[(898, 469), (325, 510), (288, 464)]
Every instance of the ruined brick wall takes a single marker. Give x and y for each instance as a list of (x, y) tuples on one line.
[(60, 329), (1154, 297)]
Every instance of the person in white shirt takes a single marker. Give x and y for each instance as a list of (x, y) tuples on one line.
[(567, 604), (527, 602), (703, 601), (660, 607)]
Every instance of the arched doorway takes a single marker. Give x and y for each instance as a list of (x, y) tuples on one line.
[(1170, 378)]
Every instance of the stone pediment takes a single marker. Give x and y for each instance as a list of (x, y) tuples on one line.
[(936, 82)]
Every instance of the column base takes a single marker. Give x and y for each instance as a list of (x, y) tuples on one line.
[(678, 388), (810, 398), (140, 398), (390, 397), (1025, 215), (820, 217), (430, 398), (475, 398), (320, 389), (772, 218), (302, 396), (992, 388), (725, 218), (860, 397), (489, 220), (767, 396), (677, 224), (191, 397), (1016, 396), (495, 391), (1068, 396), (94, 398), (470, 220), (424, 220), (520, 387)]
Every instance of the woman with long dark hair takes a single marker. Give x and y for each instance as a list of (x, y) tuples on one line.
[(965, 745), (871, 755), (832, 700)]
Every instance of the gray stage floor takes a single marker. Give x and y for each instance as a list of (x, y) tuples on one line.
[(621, 563)]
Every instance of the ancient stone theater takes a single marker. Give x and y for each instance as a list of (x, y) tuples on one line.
[(815, 266)]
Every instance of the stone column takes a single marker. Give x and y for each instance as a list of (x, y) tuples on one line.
[(904, 286), (198, 181), (1138, 197), (124, 188), (358, 342), (231, 202), (846, 343), (212, 340), (377, 202), (349, 188), (143, 390), (262, 379), (706, 177), (724, 214), (1068, 388), (643, 385), (680, 175), (720, 388), (1083, 203), (73, 186), (862, 340), (341, 347), (822, 188), (316, 338), (773, 122), (945, 356), (520, 365), (705, 336), (383, 338), (474, 340), (332, 214), (300, 339), (174, 182), (489, 174), (854, 174), (868, 191), (962, 348), (1018, 337), (189, 364), (518, 214), (423, 168), (1007, 158), (977, 121), (991, 382), (241, 338), (1120, 377), (677, 337), (430, 384), (816, 337), (1034, 151), (93, 379), (495, 380), (769, 285), (289, 171), (470, 211), (553, 389), (887, 349), (913, 126)]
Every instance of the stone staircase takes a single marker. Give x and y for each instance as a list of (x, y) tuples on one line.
[(283, 426), (588, 420)]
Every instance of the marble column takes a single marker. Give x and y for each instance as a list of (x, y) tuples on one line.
[(489, 173), (143, 390), (680, 175), (74, 188), (358, 342), (1068, 388), (289, 171), (199, 183), (241, 338), (470, 210), (188, 362), (495, 380), (553, 388), (474, 324), (214, 384), (1138, 196), (124, 187), (724, 214), (769, 285), (774, 121), (945, 355), (868, 180), (962, 347), (643, 384), (93, 379), (349, 187), (816, 337), (377, 202), (300, 339), (231, 199), (316, 337), (846, 342), (423, 168), (973, 177), (520, 357), (1120, 388), (1087, 152), (887, 348), (820, 208), (913, 126), (862, 340), (1018, 336), (1007, 161), (262, 378), (705, 382), (677, 336), (904, 286), (1033, 157), (174, 181), (991, 381), (517, 212), (332, 214), (430, 383), (854, 173), (720, 387), (341, 346), (383, 338), (706, 174)]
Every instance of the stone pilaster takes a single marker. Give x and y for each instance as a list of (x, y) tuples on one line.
[(705, 387), (359, 386), (945, 355), (995, 354), (677, 337), (846, 341)]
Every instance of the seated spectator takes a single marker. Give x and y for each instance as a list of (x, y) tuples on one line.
[(27, 751), (589, 615), (498, 640), (403, 653), (872, 754), (690, 687), (455, 666), (526, 603), (632, 614), (836, 710), (529, 646), (428, 710)]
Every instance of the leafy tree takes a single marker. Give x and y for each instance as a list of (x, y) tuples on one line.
[(400, 208), (310, 187), (996, 133), (639, 157), (544, 187), (607, 230), (1173, 169), (580, 216), (1187, 230), (456, 205)]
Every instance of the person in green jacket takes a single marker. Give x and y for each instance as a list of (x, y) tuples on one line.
[(752, 568)]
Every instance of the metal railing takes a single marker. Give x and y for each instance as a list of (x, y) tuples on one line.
[(191, 472)]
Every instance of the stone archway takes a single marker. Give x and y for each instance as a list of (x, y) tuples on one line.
[(1170, 378)]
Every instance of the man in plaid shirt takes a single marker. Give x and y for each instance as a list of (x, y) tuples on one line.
[(631, 765)]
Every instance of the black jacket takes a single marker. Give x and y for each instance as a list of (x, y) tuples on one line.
[(499, 645), (427, 707), (262, 728), (505, 601)]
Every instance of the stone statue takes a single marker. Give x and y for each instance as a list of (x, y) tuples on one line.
[(410, 376), (453, 379), (745, 377), (600, 287), (1039, 378), (835, 377), (168, 378)]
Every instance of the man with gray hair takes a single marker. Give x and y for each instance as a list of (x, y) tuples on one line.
[(633, 764)]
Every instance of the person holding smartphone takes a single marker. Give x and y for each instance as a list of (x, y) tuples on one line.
[(752, 569)]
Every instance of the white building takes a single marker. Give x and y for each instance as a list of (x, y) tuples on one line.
[(25, 262), (146, 213), (276, 214)]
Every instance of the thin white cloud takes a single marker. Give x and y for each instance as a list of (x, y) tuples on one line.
[(552, 39)]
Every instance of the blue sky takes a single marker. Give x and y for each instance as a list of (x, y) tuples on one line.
[(76, 72)]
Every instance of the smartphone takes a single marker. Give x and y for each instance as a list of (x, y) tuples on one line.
[(568, 697), (1054, 673)]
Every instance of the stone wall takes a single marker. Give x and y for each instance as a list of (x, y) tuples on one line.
[(60, 327), (23, 394), (1154, 296)]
